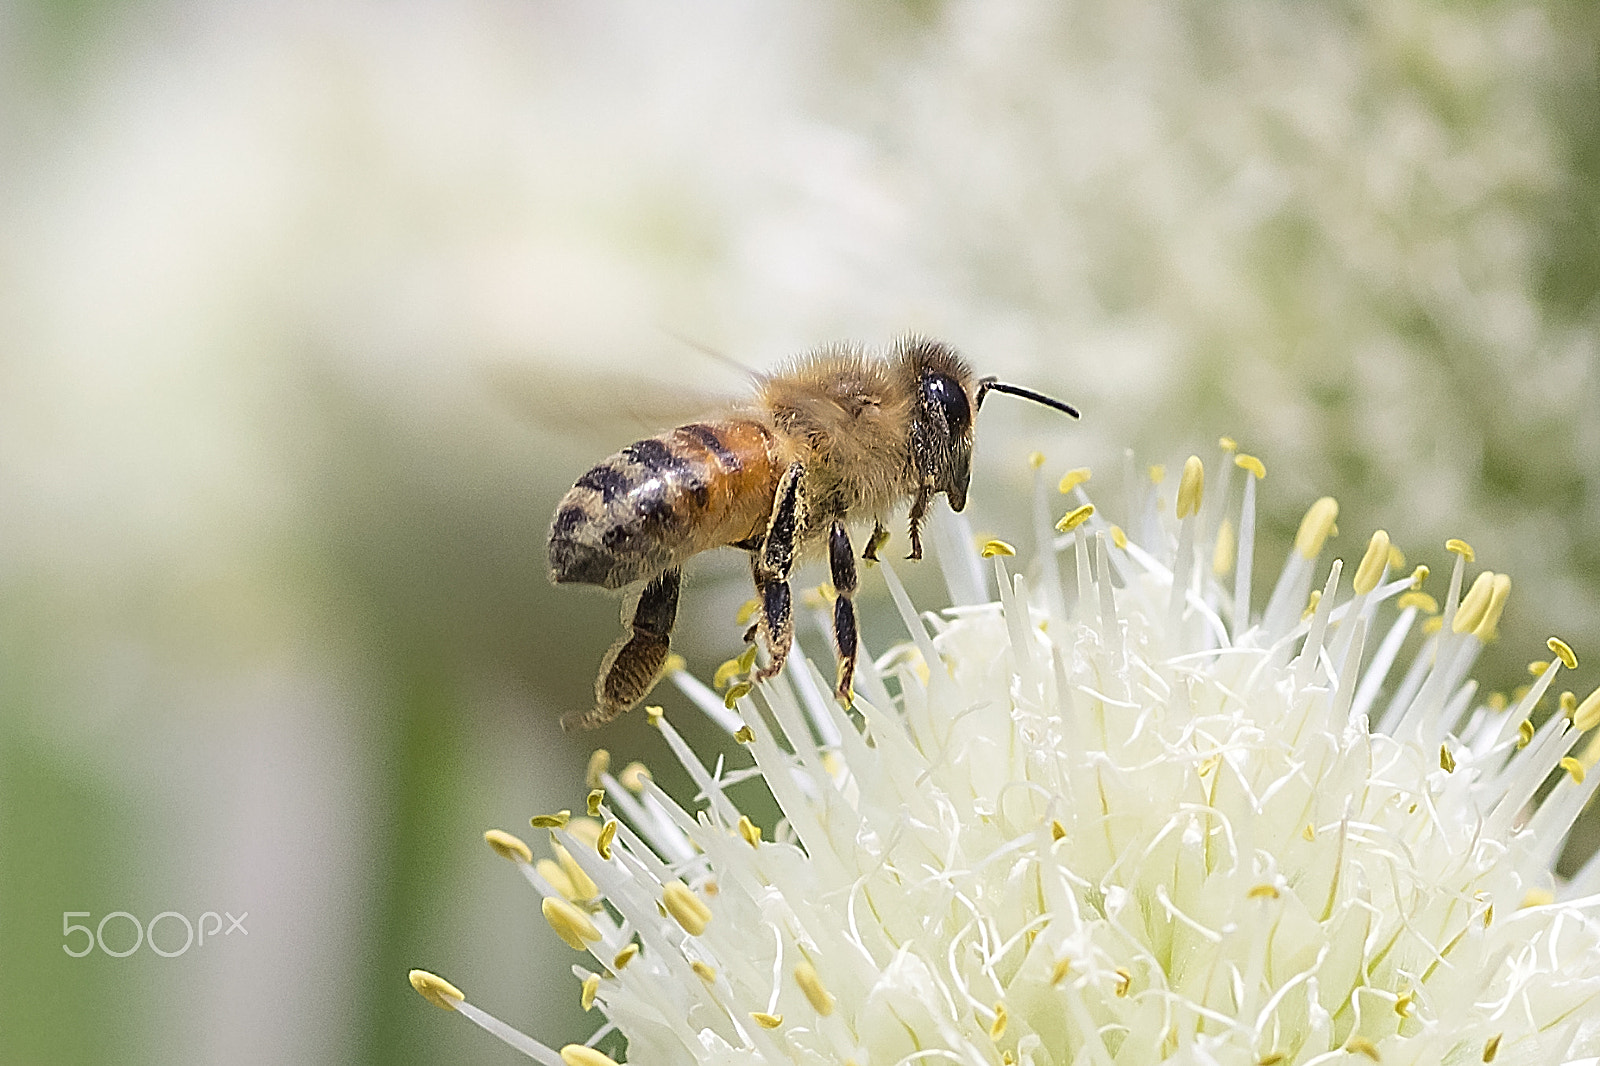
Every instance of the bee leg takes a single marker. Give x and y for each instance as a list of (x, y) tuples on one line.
[(879, 538), (629, 670), (843, 565), (775, 623), (919, 509)]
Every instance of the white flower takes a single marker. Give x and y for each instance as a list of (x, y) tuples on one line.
[(1105, 819)]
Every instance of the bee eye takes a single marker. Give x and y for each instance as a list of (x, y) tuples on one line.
[(943, 394)]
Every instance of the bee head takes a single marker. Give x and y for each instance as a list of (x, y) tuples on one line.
[(941, 428)]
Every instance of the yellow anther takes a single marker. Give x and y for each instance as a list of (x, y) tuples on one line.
[(1497, 702), (1311, 603), (747, 610), (1461, 548), (686, 908), (436, 989), (1072, 479), (1360, 1045), (1118, 537), (1539, 666), (674, 663), (745, 735), (1250, 463), (1419, 575), (997, 1028), (1124, 982), (570, 924), (1157, 472), (608, 835), (1491, 1047), (736, 693), (585, 830), (1370, 572), (508, 846), (1475, 604), (1525, 732), (1573, 767), (1488, 916), (1074, 518), (633, 776), (557, 820), (749, 830), (1316, 527), (597, 796), (1057, 830), (1587, 716), (817, 994), (1191, 487), (582, 887), (1538, 897), (1262, 892), (1560, 650), (1036, 459), (726, 673), (624, 956), (556, 877), (1432, 625), (1568, 702), (599, 763), (583, 1055), (765, 1020), (1222, 554), (1059, 971), (1420, 600), (1397, 559), (747, 658), (991, 548), (653, 715), (704, 971), (1271, 1059), (1402, 1005), (1309, 832), (1486, 629), (1447, 762), (1227, 444), (591, 986), (1590, 755)]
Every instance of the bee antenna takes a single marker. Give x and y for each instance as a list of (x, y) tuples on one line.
[(985, 385)]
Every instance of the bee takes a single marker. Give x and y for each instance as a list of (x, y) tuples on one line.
[(839, 434)]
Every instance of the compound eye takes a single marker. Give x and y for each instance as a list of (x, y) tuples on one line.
[(943, 394)]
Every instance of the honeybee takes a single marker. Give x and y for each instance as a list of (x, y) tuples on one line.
[(838, 434)]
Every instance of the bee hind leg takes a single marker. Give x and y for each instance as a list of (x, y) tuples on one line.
[(630, 668), (771, 566), (842, 563)]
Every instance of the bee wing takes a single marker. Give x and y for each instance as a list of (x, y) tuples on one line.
[(600, 408)]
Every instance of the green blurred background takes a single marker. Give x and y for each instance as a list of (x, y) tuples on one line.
[(310, 311)]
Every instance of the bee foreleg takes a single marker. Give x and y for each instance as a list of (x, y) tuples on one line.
[(842, 563), (919, 510), (629, 670), (771, 567)]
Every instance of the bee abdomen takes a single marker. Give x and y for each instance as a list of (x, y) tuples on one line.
[(660, 500)]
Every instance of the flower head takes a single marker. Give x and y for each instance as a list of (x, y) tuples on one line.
[(1110, 816)]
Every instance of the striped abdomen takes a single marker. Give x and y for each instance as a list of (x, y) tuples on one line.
[(659, 501)]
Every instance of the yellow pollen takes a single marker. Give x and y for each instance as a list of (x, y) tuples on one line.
[(1485, 629), (570, 924), (1568, 703), (1057, 830), (1497, 702), (686, 908), (624, 956), (556, 877), (1059, 972), (596, 797), (1311, 604), (1397, 559), (1157, 472), (1447, 762), (1587, 716), (749, 830), (1124, 982), (747, 611), (704, 971), (745, 735), (1420, 600), (674, 663), (1309, 832), (1573, 767), (1227, 444), (1191, 487), (508, 846), (1525, 732), (1433, 625), (583, 1055), (1370, 572), (1222, 554), (765, 1020), (653, 715), (607, 836), (1072, 479), (1036, 459), (998, 1028), (1250, 463), (591, 985), (817, 994), (1538, 897), (1461, 548), (1118, 537), (736, 693), (436, 989), (633, 776), (1560, 650), (582, 887), (726, 673), (1360, 1045), (1539, 666), (557, 820), (991, 548), (1316, 527), (1074, 518), (1262, 892), (1475, 604), (1418, 576), (1491, 1047)]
